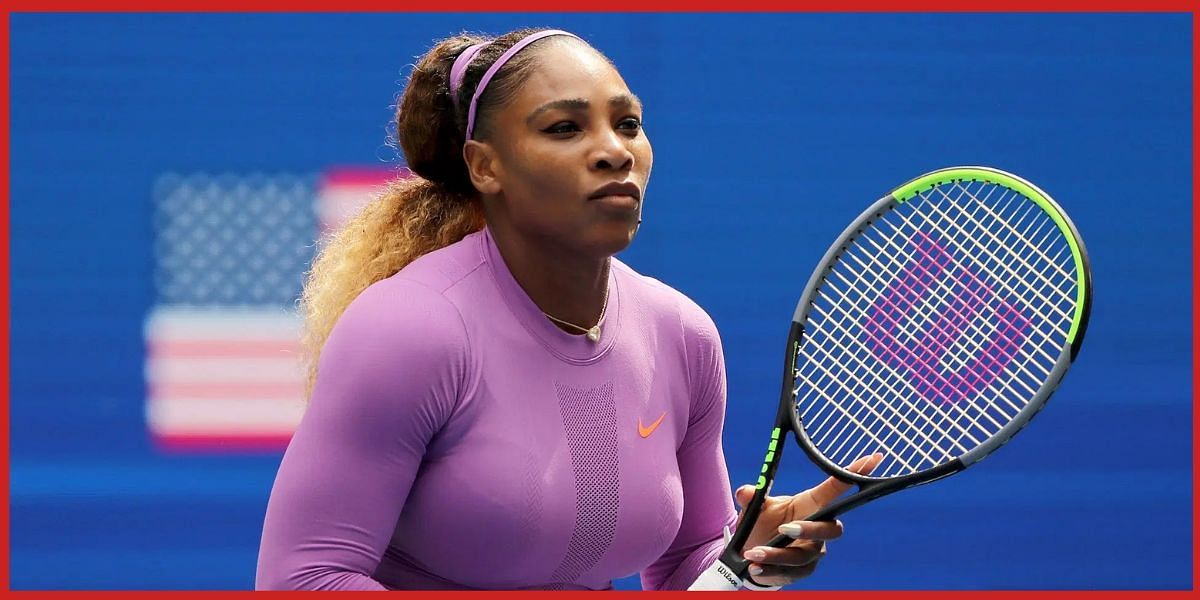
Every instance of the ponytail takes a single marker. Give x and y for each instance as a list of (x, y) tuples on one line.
[(414, 216)]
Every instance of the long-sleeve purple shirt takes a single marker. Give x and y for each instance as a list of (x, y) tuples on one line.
[(456, 438)]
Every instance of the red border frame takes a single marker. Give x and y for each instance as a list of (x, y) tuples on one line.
[(559, 6), (1195, 294), (4, 289)]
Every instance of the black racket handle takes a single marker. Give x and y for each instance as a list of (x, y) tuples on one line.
[(780, 541), (871, 491), (828, 513)]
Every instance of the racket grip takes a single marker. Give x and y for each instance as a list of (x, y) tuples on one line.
[(780, 541), (716, 578), (825, 514), (828, 513)]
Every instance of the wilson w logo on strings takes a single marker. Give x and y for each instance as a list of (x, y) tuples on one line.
[(942, 326)]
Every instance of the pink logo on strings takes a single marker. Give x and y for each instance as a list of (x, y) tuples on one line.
[(919, 358)]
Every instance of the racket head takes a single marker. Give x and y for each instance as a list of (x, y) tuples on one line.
[(959, 372)]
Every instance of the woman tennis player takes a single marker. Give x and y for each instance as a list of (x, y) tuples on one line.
[(502, 404)]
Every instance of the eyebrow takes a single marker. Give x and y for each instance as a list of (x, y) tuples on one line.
[(618, 101)]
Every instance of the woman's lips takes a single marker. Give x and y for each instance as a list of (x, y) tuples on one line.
[(618, 201)]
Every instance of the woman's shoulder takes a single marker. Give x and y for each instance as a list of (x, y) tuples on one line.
[(448, 266), (661, 299), (415, 299), (397, 309), (413, 304)]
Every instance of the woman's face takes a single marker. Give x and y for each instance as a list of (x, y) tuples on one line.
[(568, 159)]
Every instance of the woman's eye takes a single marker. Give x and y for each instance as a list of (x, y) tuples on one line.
[(562, 127), (630, 124)]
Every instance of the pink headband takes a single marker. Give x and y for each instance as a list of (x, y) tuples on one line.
[(459, 69)]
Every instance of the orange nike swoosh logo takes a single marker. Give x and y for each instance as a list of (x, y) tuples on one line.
[(646, 431)]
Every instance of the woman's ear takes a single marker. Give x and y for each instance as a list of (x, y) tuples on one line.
[(482, 166)]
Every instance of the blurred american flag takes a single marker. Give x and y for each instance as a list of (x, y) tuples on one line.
[(223, 369)]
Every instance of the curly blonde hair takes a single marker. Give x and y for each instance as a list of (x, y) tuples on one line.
[(413, 216)]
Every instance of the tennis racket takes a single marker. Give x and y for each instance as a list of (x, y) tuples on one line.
[(936, 326)]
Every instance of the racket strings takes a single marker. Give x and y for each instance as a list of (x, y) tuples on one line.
[(1012, 273), (924, 309), (934, 328), (1035, 300), (1004, 280), (1045, 227), (949, 439), (895, 442), (1010, 229), (951, 445), (852, 418), (906, 413), (973, 420), (844, 337), (907, 394), (961, 431), (1051, 326)]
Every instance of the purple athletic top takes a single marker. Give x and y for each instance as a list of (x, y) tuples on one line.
[(457, 439)]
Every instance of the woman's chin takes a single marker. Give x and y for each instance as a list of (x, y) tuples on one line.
[(612, 240)]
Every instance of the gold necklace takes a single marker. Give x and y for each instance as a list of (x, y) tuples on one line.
[(593, 333)]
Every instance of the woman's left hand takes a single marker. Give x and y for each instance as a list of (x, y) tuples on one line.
[(781, 514)]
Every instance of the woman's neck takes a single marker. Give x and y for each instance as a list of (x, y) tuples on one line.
[(562, 282)]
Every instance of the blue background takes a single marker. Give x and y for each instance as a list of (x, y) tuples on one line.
[(771, 132)]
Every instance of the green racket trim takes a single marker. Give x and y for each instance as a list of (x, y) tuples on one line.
[(762, 478), (1000, 178)]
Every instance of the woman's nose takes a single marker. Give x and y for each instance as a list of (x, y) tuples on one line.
[(611, 153)]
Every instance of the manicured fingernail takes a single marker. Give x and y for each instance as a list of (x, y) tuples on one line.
[(790, 529), (756, 570), (755, 554)]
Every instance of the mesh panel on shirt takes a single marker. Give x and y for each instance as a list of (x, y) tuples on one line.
[(590, 424)]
